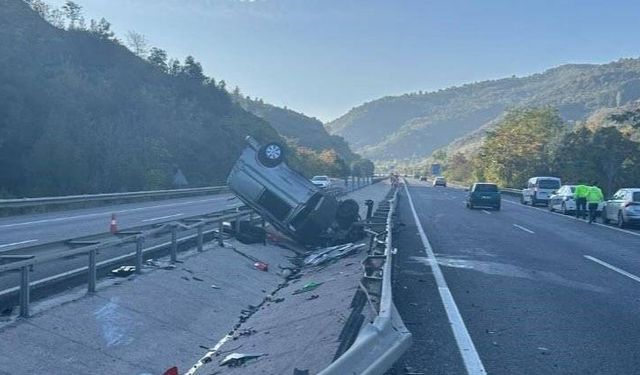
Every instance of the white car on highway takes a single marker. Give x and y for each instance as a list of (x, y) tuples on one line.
[(562, 200), (322, 182)]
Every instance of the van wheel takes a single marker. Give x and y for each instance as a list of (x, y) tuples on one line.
[(271, 154)]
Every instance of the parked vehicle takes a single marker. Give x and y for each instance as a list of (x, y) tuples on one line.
[(482, 194), (322, 182), (440, 181), (423, 178), (539, 189), (623, 207), (287, 200), (563, 200)]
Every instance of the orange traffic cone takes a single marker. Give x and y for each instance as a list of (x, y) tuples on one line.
[(113, 227)]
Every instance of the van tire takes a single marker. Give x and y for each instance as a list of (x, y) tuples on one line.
[(271, 154)]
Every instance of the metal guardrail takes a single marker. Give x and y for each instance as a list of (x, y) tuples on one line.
[(353, 184), (381, 343), (46, 201), (26, 262)]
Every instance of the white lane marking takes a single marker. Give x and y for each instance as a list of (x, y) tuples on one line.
[(106, 213), (467, 349), (573, 217), (207, 357), (486, 212), (524, 229), (16, 243), (162, 217), (613, 268)]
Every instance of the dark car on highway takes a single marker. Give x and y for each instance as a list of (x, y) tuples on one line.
[(482, 194)]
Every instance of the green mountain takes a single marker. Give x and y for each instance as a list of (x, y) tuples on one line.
[(80, 113), (298, 128), (414, 125)]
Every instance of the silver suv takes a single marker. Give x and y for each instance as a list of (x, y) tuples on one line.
[(286, 199)]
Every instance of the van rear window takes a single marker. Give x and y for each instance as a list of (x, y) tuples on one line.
[(548, 184), (636, 196)]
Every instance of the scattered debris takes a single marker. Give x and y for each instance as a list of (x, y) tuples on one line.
[(171, 371), (296, 371), (184, 278), (278, 300), (307, 287), (214, 286), (151, 263), (196, 278), (123, 271), (261, 266), (169, 267), (332, 253), (7, 311), (238, 359), (413, 304), (313, 296)]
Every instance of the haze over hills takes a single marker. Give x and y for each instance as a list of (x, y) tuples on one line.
[(414, 125), (298, 128), (80, 113)]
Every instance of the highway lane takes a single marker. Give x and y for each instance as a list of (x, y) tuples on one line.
[(28, 230), (537, 293)]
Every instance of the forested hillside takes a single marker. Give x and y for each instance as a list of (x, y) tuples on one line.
[(537, 141), (414, 125), (299, 129), (80, 113)]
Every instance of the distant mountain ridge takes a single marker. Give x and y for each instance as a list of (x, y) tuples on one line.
[(297, 127), (414, 125)]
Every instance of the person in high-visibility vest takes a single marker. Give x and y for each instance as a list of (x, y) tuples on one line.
[(580, 195), (594, 197)]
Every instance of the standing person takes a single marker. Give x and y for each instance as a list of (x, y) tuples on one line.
[(581, 200), (594, 197)]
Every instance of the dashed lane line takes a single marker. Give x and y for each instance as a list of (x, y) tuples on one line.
[(3, 246), (613, 268), (107, 212), (524, 229), (162, 217)]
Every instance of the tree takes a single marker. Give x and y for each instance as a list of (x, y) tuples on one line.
[(73, 12), (174, 67), (158, 57), (101, 29), (137, 43), (610, 150), (521, 145), (193, 69)]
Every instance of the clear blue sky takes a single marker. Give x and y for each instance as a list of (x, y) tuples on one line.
[(323, 57)]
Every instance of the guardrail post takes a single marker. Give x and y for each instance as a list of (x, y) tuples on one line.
[(200, 236), (139, 245), (92, 271), (24, 292), (220, 231), (174, 244)]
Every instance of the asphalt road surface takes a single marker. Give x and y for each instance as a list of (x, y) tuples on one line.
[(28, 230), (516, 291)]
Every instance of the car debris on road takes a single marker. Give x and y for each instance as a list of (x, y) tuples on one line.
[(239, 359)]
